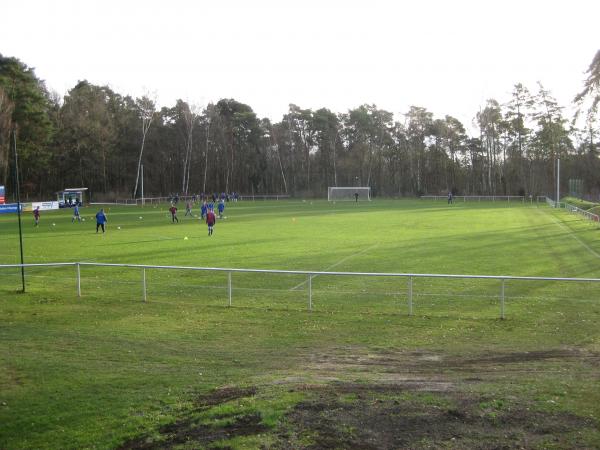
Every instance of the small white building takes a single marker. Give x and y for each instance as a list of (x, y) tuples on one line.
[(70, 197)]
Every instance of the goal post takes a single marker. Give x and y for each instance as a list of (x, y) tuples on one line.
[(335, 193)]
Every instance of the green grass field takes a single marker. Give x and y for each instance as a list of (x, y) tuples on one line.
[(184, 370)]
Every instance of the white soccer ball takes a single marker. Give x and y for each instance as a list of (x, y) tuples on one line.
[(83, 219), (53, 224), (118, 228), (185, 238), (141, 217)]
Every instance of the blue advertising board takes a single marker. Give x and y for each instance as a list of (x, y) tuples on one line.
[(10, 208)]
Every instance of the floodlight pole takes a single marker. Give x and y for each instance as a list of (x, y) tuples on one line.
[(557, 182), (19, 206), (142, 169)]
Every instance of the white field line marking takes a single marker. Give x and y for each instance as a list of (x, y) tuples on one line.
[(343, 260), (587, 247)]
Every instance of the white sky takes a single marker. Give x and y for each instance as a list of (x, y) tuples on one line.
[(448, 56)]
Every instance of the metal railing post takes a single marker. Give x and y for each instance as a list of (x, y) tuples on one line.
[(310, 275), (309, 292), (502, 299), (229, 287), (144, 282), (410, 296), (78, 280)]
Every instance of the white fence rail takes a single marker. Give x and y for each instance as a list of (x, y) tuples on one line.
[(142, 201), (574, 209), (184, 198), (477, 198), (308, 278), (265, 197)]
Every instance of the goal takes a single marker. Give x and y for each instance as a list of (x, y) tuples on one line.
[(335, 193)]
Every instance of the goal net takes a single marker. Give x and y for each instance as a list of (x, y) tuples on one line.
[(348, 193)]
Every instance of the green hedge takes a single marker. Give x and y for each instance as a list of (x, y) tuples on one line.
[(583, 204)]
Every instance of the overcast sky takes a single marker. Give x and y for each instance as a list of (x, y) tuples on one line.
[(448, 56)]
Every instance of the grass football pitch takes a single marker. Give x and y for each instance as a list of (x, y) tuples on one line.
[(186, 370)]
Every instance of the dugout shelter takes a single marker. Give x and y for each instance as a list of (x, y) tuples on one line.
[(67, 198)]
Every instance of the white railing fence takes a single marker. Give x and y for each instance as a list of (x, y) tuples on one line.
[(184, 198), (479, 198), (264, 197), (264, 288), (520, 199), (574, 209), (143, 201)]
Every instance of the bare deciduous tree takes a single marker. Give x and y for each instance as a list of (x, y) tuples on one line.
[(190, 115), (147, 109)]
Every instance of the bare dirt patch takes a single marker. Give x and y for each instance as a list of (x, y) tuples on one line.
[(360, 399), (520, 357), (200, 435), (423, 399), (398, 366), (378, 418), (187, 431), (224, 394)]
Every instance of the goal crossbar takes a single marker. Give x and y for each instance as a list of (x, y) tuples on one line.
[(346, 193)]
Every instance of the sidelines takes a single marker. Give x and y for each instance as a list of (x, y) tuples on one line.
[(479, 198), (343, 260), (303, 272), (574, 209), (309, 274), (583, 244), (112, 203), (390, 293)]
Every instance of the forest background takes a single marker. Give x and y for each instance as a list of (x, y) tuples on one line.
[(97, 138)]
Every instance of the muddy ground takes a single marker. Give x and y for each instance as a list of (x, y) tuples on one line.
[(386, 400)]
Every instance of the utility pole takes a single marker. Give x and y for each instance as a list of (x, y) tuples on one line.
[(557, 182), (142, 169), (18, 188)]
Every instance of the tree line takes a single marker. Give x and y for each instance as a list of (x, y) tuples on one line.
[(97, 138)]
